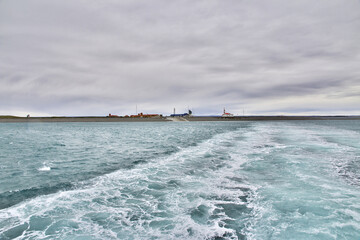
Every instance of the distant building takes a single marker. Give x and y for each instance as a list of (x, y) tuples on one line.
[(141, 115), (225, 114)]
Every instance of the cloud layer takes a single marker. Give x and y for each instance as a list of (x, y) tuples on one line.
[(88, 57)]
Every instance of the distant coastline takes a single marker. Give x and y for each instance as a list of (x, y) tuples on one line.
[(14, 119)]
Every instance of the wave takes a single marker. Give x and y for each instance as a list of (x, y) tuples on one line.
[(193, 193), (10, 198), (271, 180)]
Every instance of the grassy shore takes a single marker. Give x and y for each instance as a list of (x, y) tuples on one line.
[(15, 119)]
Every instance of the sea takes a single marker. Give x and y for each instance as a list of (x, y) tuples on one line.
[(180, 180)]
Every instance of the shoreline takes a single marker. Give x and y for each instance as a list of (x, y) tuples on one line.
[(168, 119)]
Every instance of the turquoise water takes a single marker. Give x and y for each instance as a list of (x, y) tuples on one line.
[(180, 180)]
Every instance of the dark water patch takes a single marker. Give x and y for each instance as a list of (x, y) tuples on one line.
[(232, 210), (115, 201), (59, 144), (349, 170), (15, 231), (10, 198), (110, 167), (190, 231), (236, 214), (18, 173), (169, 151), (263, 146), (39, 223), (155, 193), (161, 206), (314, 209), (190, 172), (135, 218), (244, 198), (227, 144), (217, 166), (162, 224), (156, 186), (174, 184), (60, 225), (242, 188), (200, 214), (100, 218), (140, 161), (162, 214), (100, 201)]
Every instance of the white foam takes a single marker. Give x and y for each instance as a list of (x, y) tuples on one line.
[(44, 168)]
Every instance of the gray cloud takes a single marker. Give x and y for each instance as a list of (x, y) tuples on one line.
[(94, 57)]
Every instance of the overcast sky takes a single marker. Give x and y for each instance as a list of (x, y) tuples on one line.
[(87, 57)]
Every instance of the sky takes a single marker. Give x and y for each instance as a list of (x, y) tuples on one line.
[(95, 57)]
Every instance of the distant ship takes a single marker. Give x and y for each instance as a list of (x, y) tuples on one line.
[(225, 114)]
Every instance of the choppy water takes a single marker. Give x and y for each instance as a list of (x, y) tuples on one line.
[(185, 180)]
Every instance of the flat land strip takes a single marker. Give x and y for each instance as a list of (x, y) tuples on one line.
[(13, 119)]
